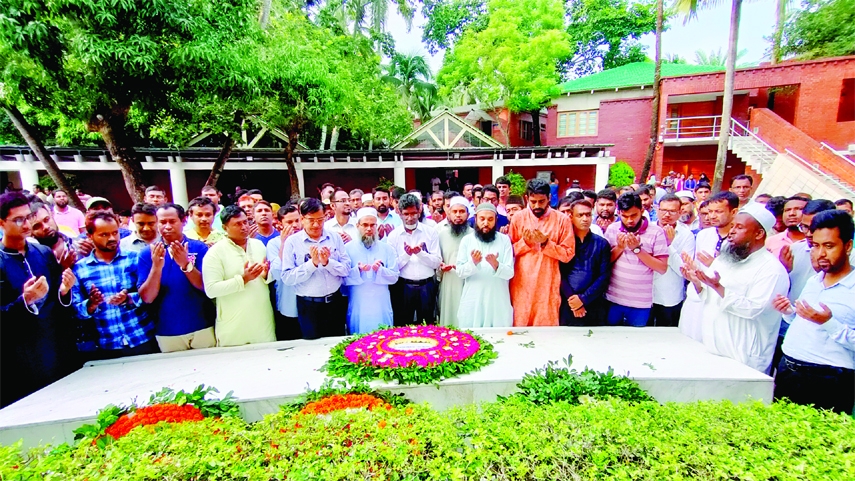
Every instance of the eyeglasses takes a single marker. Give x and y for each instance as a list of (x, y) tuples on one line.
[(315, 220), (804, 229), (18, 221)]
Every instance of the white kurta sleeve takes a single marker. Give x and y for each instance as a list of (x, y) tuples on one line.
[(758, 297), (464, 266), (506, 261), (388, 273)]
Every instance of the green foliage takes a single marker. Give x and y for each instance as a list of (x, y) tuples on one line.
[(387, 183), (514, 440), (716, 57), (821, 28), (448, 19), (517, 183), (605, 34), (621, 174), (46, 182), (339, 366), (562, 384), (514, 58), (331, 387)]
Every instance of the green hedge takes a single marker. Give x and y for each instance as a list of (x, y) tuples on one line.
[(516, 439)]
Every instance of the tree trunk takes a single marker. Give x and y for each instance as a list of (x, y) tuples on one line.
[(535, 128), (727, 107), (334, 137), (781, 17), (293, 135), (111, 126), (264, 17), (323, 137), (42, 154), (657, 94), (220, 163)]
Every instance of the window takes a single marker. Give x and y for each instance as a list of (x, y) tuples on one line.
[(487, 127), (846, 108), (526, 132), (577, 124)]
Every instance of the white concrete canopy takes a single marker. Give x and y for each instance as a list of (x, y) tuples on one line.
[(670, 366)]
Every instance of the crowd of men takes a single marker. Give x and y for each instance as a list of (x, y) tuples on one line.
[(763, 281)]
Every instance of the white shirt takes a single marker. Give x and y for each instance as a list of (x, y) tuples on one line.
[(596, 230), (832, 343), (743, 325), (349, 228), (133, 243), (417, 266), (669, 289)]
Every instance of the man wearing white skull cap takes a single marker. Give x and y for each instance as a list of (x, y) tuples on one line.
[(740, 321), (451, 233)]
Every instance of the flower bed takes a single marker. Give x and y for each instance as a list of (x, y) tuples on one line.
[(410, 355)]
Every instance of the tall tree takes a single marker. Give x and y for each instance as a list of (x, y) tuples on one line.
[(782, 10), (689, 8), (657, 93), (821, 28), (515, 58), (715, 57), (109, 62), (411, 76)]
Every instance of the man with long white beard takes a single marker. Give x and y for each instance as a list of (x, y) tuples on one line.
[(451, 233), (740, 321), (373, 268), (485, 260)]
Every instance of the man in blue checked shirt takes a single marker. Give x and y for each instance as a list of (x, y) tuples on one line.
[(106, 293)]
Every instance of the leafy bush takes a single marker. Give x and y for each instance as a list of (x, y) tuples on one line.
[(621, 174), (497, 441), (517, 183), (561, 384), (330, 388)]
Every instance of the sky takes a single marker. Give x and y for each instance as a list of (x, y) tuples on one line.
[(708, 32)]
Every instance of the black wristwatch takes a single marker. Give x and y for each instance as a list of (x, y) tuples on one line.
[(636, 250)]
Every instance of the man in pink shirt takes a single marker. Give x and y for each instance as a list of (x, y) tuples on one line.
[(639, 247), (70, 221), (792, 218)]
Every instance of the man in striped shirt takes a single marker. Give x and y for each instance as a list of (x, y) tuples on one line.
[(639, 248)]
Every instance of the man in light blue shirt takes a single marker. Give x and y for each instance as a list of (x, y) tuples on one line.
[(315, 263), (818, 366), (285, 315)]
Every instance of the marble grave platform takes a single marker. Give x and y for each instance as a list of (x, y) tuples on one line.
[(670, 366)]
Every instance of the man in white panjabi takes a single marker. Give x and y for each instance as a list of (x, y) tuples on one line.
[(451, 233), (485, 261), (740, 321)]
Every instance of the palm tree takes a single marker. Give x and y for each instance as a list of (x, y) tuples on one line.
[(411, 76), (781, 13), (673, 58), (362, 17), (657, 94), (689, 8), (715, 57)]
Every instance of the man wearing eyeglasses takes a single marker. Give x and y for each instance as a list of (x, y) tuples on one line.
[(34, 343)]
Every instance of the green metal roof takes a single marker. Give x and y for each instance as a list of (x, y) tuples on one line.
[(633, 75)]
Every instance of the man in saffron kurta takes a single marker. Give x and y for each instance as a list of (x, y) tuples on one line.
[(542, 238)]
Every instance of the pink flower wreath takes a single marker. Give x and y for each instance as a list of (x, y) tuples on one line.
[(405, 346)]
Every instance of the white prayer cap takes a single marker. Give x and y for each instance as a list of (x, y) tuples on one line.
[(367, 197), (365, 212), (459, 200), (686, 193), (762, 215), (486, 206)]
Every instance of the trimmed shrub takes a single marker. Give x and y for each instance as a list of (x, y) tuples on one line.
[(621, 174)]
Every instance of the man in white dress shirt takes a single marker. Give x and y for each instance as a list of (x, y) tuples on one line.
[(740, 321), (417, 247), (669, 288), (342, 222)]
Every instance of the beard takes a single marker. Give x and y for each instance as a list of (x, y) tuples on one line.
[(368, 240), (606, 215), (49, 240), (538, 212), (61, 203), (382, 209), (634, 228), (793, 228), (458, 230), (736, 252), (486, 237)]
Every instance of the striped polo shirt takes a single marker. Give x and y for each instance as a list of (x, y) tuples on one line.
[(632, 281)]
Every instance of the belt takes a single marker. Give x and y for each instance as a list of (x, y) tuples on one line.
[(807, 367), (323, 299), (420, 282)]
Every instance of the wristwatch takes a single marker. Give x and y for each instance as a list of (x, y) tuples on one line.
[(636, 250), (188, 268)]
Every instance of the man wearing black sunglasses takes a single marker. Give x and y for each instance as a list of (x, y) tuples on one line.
[(35, 348)]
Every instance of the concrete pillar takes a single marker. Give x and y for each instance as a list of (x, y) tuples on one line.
[(29, 176), (301, 180), (400, 176), (601, 177), (498, 171), (179, 184)]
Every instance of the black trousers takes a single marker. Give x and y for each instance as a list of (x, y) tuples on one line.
[(595, 314), (414, 302), (287, 328), (322, 318), (826, 387), (661, 316)]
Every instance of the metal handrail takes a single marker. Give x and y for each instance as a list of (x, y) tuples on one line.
[(815, 168), (739, 130), (823, 145), (675, 128)]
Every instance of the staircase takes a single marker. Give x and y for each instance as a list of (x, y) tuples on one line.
[(756, 153)]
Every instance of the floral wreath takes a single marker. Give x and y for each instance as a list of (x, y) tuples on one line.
[(409, 355), (167, 405)]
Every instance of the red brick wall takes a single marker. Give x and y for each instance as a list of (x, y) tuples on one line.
[(624, 123)]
